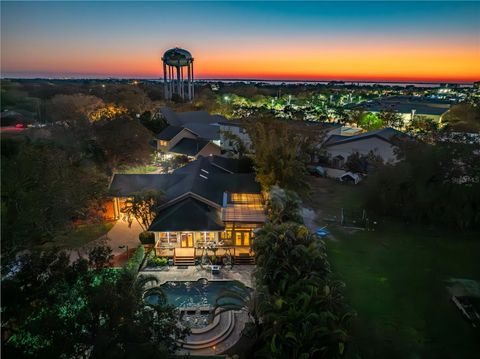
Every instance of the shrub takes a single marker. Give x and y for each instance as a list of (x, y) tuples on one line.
[(134, 263), (157, 262)]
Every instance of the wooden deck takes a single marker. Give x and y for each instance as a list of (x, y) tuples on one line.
[(195, 252)]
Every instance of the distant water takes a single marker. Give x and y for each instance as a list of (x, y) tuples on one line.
[(340, 83)]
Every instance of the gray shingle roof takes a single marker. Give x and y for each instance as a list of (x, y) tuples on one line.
[(198, 178), (188, 215), (189, 146), (124, 185), (169, 132), (217, 164), (405, 104), (205, 163), (387, 134), (209, 132)]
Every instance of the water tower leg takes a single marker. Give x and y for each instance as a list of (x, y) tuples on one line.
[(165, 86)]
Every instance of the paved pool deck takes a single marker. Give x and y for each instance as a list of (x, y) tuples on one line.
[(242, 273)]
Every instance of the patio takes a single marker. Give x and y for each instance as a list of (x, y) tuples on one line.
[(242, 273)]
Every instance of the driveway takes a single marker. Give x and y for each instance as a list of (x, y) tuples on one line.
[(122, 235), (119, 235)]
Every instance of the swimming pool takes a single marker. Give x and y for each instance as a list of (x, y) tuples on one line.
[(201, 293), (197, 299)]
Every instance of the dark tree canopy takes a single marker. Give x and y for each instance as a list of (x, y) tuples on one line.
[(464, 117), (303, 309), (124, 141), (434, 184), (44, 188), (52, 308)]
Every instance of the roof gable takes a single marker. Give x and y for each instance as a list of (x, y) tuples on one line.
[(169, 132), (385, 134), (188, 215)]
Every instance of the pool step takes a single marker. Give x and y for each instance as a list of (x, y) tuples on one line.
[(218, 338), (244, 260), (184, 260)]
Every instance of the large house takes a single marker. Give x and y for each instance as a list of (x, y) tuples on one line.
[(183, 141), (381, 143), (193, 133), (208, 203)]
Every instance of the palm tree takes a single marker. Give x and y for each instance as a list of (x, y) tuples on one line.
[(303, 312), (242, 299)]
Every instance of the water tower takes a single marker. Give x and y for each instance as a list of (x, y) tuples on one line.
[(178, 73)]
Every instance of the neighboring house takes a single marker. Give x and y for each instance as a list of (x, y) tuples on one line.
[(408, 107), (206, 203), (193, 133), (381, 143), (183, 141)]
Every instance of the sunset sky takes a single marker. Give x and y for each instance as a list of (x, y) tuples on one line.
[(404, 41)]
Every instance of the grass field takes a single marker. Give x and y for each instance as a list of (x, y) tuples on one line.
[(395, 281), (81, 235), (137, 169)]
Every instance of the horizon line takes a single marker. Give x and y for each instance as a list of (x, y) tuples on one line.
[(239, 79)]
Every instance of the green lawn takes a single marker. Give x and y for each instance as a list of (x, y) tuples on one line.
[(395, 282), (81, 235), (137, 169)]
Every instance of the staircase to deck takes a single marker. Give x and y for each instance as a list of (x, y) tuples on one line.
[(184, 257), (244, 259)]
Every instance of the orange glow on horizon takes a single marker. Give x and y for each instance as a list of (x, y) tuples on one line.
[(375, 60)]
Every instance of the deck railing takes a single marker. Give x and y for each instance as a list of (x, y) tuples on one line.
[(166, 250)]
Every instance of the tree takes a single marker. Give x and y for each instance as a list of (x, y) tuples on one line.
[(73, 111), (44, 188), (154, 124), (424, 128), (124, 141), (239, 147), (369, 121), (355, 116), (391, 118), (283, 206), (143, 207), (434, 184), (132, 97), (106, 113), (52, 308), (242, 299), (280, 157), (303, 312), (463, 117), (358, 163)]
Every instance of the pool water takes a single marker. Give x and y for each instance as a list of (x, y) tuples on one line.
[(196, 300), (201, 293)]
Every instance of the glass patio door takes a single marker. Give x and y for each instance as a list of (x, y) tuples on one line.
[(186, 240), (242, 238)]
